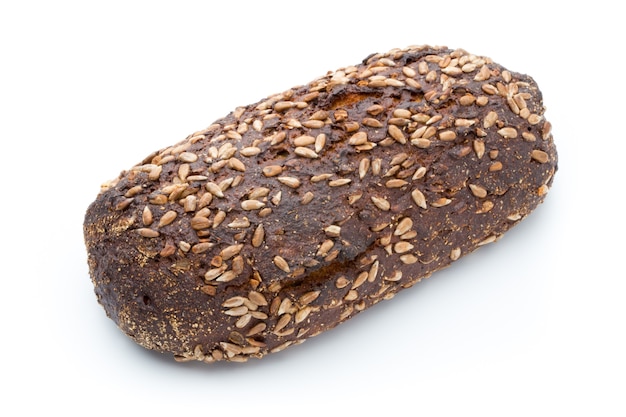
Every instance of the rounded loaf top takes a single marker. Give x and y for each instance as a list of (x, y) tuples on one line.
[(292, 214)]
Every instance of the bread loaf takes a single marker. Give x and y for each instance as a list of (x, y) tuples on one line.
[(293, 214)]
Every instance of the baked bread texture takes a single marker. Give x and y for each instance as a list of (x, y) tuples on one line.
[(293, 214)]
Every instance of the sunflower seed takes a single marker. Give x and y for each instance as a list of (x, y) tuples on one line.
[(381, 203), (419, 198), (281, 263), (252, 204)]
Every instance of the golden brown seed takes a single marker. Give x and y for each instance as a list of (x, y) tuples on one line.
[(213, 273), (469, 67), (429, 132), (441, 202), (496, 166), (285, 306), (320, 142), (395, 183), (272, 170), (199, 223), (214, 189), (238, 223), (455, 254), (135, 190), (319, 115), (399, 158), (238, 266), (419, 198), (489, 89), (124, 204), (339, 182), (419, 173), (252, 204), (236, 164), (257, 298), (360, 279), (230, 251), (321, 177), (422, 67), (190, 203), (479, 148), (259, 192), (358, 138), (490, 119), (342, 282), (325, 247), (404, 226), (237, 311), (188, 157), (508, 132), (302, 314), (227, 276), (464, 122), (381, 203), (533, 119), (409, 72), (304, 140), (332, 231), (281, 263), (486, 207), (402, 247), (277, 198), (513, 105), (145, 232), (351, 296), (201, 247), (396, 276), (307, 198), (146, 216), (282, 322), (283, 105), (540, 156), (313, 124), (376, 166), (370, 122), (482, 101), (375, 109), (364, 166), (421, 143), (408, 259), (290, 181), (478, 191), (155, 173), (395, 132), (447, 135), (256, 329), (243, 321), (373, 272), (403, 113), (467, 100), (546, 130), (351, 126), (250, 151), (277, 138), (233, 302), (309, 297)]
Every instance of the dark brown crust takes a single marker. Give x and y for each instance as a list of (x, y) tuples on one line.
[(454, 152)]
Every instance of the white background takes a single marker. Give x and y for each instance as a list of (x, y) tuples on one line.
[(531, 326)]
